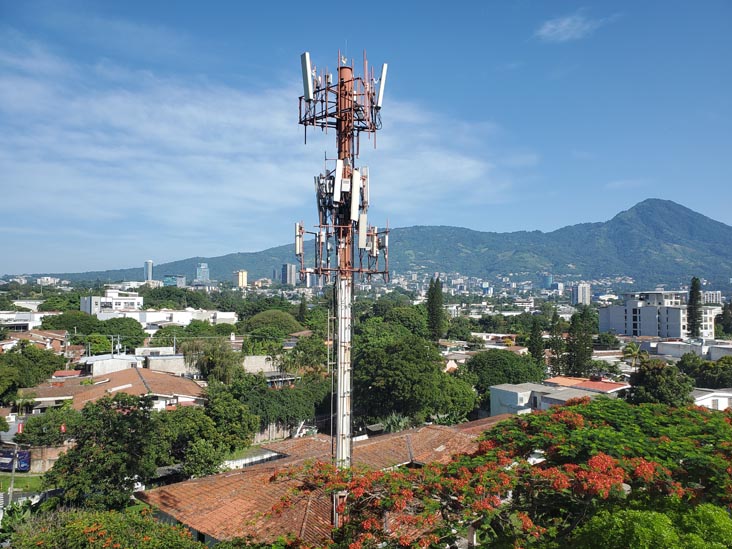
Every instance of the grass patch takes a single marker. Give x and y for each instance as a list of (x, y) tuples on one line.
[(25, 482)]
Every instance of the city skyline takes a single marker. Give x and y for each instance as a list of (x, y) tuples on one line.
[(131, 131)]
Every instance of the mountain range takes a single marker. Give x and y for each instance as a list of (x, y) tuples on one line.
[(655, 242)]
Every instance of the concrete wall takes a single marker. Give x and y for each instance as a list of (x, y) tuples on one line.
[(172, 364), (718, 351), (43, 457), (257, 363)]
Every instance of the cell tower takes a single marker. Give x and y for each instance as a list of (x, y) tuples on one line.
[(345, 245)]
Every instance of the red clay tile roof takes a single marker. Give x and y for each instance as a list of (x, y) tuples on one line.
[(479, 426), (133, 381), (565, 381), (236, 503), (601, 386), (66, 373), (138, 381), (58, 389)]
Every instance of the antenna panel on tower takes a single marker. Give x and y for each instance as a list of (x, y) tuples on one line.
[(355, 194), (307, 76), (382, 85), (363, 229), (337, 183)]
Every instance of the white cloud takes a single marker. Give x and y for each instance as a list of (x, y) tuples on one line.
[(568, 28), (131, 163)]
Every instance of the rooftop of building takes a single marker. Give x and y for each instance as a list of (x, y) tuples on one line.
[(238, 503)]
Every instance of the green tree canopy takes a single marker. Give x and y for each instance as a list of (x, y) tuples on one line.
[(213, 358), (413, 318), (536, 342), (497, 366), (435, 313), (83, 529), (114, 449), (74, 322), (703, 526), (310, 353), (51, 428), (659, 382), (234, 421), (579, 344), (26, 365), (694, 308), (276, 323), (706, 373), (179, 429), (403, 375)]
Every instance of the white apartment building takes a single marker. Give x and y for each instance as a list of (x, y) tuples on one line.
[(113, 300), (581, 294), (152, 319), (656, 314), (711, 297)]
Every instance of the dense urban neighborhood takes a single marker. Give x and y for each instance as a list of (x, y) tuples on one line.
[(211, 403)]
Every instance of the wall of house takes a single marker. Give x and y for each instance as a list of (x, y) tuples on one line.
[(44, 457)]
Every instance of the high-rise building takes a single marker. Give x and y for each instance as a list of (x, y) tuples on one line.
[(240, 279), (581, 294), (148, 269), (202, 273), (547, 279), (289, 274)]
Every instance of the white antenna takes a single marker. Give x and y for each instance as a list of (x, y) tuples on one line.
[(338, 174), (355, 194), (298, 239), (382, 84), (307, 78), (365, 178), (363, 229)]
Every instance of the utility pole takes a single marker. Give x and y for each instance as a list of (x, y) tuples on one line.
[(345, 244)]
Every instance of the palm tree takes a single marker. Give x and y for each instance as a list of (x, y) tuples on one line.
[(24, 402), (633, 352)]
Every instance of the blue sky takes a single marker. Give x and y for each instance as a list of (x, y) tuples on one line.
[(164, 130)]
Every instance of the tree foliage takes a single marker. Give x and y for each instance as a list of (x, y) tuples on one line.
[(724, 321), (82, 529), (435, 312), (52, 428), (25, 365), (235, 423), (179, 429), (213, 358), (310, 354), (497, 366), (703, 526), (536, 342), (273, 324), (694, 308), (659, 382), (599, 461), (557, 346), (114, 449), (707, 373), (579, 343), (403, 374)]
